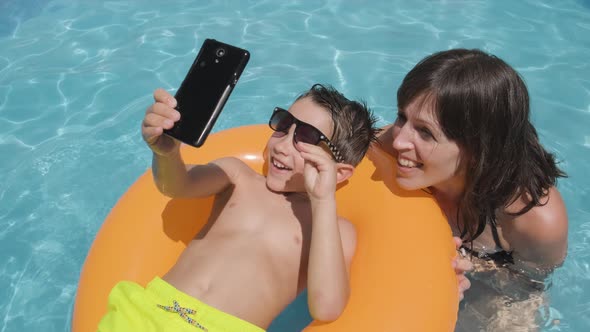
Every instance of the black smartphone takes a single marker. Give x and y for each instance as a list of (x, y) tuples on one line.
[(205, 89)]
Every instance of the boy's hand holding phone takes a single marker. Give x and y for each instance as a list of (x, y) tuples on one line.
[(199, 99), (159, 116)]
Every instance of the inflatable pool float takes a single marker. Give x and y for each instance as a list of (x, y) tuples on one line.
[(401, 275)]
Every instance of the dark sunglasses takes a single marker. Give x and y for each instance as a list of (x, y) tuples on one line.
[(281, 121)]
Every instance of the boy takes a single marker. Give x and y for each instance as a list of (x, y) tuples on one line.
[(268, 237)]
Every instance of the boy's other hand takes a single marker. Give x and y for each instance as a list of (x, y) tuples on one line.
[(159, 116), (319, 171)]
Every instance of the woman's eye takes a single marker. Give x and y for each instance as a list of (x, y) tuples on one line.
[(425, 133)]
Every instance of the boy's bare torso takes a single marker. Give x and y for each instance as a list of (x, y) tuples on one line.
[(250, 260)]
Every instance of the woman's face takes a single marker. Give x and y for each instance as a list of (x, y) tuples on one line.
[(425, 156)]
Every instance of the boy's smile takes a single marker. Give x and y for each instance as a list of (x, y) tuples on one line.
[(285, 172), (279, 165)]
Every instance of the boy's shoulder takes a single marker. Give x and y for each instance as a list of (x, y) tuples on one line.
[(348, 236), (236, 169), (346, 226)]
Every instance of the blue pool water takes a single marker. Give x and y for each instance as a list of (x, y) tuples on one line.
[(76, 77)]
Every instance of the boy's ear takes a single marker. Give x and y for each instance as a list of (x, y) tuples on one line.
[(343, 172)]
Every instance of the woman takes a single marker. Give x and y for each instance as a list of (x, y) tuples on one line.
[(463, 134)]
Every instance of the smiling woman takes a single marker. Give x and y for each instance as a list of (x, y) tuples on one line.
[(434, 158), (463, 133)]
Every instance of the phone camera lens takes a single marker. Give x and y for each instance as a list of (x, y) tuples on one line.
[(220, 52)]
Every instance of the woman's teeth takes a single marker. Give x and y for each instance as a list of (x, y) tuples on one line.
[(407, 163)]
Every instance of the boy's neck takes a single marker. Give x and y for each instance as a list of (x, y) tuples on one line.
[(298, 195)]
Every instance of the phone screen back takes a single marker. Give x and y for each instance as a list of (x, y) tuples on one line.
[(205, 90)]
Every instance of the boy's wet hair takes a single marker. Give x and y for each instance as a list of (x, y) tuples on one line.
[(354, 123)]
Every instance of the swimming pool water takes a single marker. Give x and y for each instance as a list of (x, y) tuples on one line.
[(76, 77)]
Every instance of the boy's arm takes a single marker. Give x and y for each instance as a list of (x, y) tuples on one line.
[(171, 175), (333, 242), (175, 179), (333, 239)]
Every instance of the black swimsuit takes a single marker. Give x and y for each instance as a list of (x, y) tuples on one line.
[(500, 257)]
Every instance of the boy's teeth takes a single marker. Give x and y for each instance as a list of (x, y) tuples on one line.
[(279, 165), (407, 163)]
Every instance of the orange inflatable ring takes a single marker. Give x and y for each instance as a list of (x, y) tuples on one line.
[(401, 275)]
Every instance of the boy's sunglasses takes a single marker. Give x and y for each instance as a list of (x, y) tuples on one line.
[(281, 120)]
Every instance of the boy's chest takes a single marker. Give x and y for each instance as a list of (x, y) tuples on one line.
[(273, 217), (275, 228)]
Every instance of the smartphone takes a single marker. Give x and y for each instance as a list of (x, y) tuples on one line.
[(205, 89)]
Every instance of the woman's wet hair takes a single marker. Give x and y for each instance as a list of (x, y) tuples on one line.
[(354, 123), (482, 104)]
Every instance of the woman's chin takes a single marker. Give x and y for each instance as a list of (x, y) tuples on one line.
[(408, 184)]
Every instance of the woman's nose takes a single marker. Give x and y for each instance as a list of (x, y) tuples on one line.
[(402, 138)]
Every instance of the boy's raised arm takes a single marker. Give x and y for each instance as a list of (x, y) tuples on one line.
[(172, 177), (333, 239)]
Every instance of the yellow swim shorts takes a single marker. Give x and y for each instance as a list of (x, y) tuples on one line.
[(161, 307)]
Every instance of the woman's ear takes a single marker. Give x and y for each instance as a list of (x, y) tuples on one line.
[(343, 172)]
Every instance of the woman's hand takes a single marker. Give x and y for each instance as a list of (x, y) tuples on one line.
[(461, 266)]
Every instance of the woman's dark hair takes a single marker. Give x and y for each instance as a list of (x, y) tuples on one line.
[(482, 104), (354, 123)]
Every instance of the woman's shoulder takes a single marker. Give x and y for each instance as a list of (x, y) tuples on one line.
[(540, 234), (550, 213), (385, 139)]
